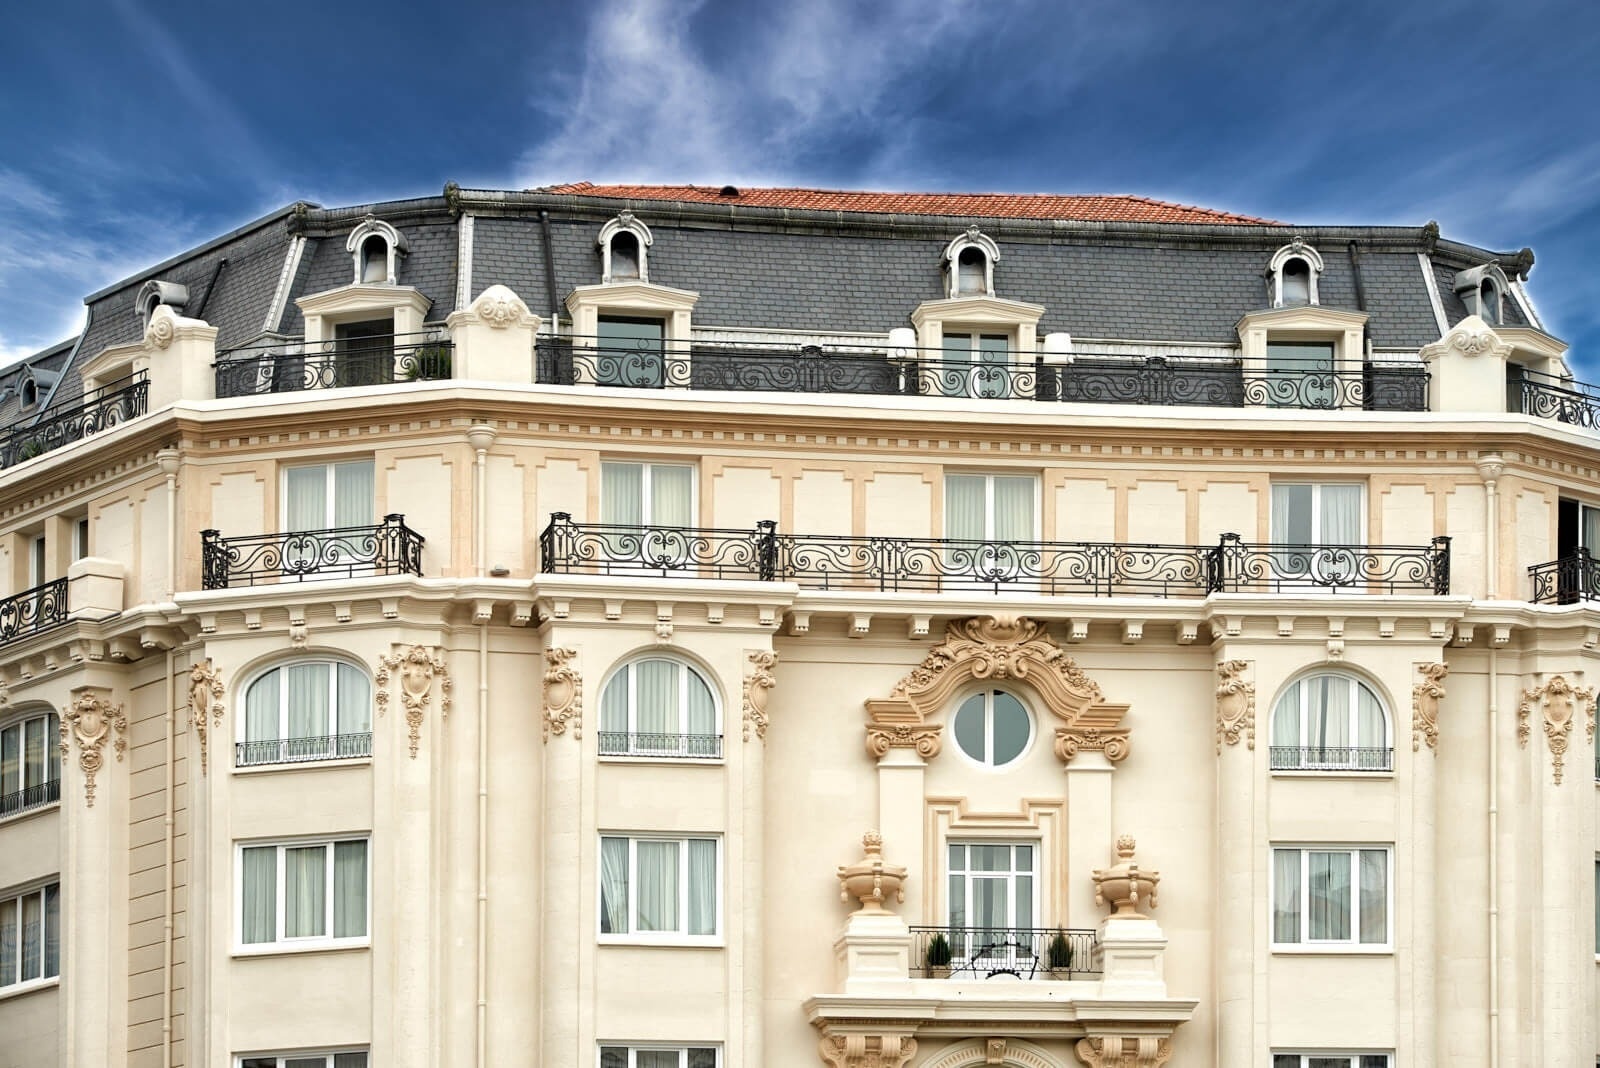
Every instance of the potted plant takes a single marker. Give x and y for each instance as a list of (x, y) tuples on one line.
[(429, 362), (938, 956), (1058, 955)]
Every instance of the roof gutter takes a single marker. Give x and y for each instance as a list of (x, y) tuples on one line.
[(550, 288)]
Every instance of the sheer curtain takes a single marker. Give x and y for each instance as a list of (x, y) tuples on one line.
[(259, 894), (656, 684), (613, 886), (33, 747), (657, 893), (32, 935), (1374, 896), (700, 715), (305, 883), (355, 707), (964, 507), (261, 705), (52, 930), (1013, 509), (1291, 514), (1286, 895), (1591, 530), (1286, 720), (307, 692), (655, 1058), (614, 712), (671, 496), (349, 889), (353, 493), (11, 760), (1328, 879), (305, 504), (622, 494), (1328, 705), (8, 942), (702, 886), (1341, 515), (1370, 726)]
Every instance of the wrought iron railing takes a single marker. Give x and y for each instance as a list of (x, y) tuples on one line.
[(1549, 397), (1097, 378), (36, 796), (34, 611), (389, 548), (666, 746), (1094, 569), (293, 366), (301, 750), (62, 424), (1001, 952), (1326, 758), (1574, 577)]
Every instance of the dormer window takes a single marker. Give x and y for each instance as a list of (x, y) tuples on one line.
[(29, 393), (1489, 303), (624, 245), (155, 293), (1293, 272), (969, 264), (376, 248), (1482, 289)]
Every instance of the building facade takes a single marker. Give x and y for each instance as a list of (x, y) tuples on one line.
[(664, 627)]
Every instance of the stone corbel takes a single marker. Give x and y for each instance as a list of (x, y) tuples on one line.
[(1124, 1051), (1557, 700), (416, 668), (1425, 697), (758, 683), (853, 1050), (1236, 704), (205, 701), (563, 693), (91, 718)]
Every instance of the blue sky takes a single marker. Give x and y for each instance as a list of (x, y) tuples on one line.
[(134, 130)]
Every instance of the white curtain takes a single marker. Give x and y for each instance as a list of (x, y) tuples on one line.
[(353, 493), (699, 712), (11, 760), (657, 893), (1370, 733), (702, 886), (1374, 896), (1286, 895), (614, 886), (964, 507), (305, 875), (655, 1058), (656, 684), (355, 701), (614, 710), (1341, 515), (622, 494), (349, 889), (1291, 514), (1013, 509), (33, 747), (671, 496), (1328, 705), (307, 686), (261, 705), (32, 936), (1328, 882), (1286, 718), (259, 894), (8, 941), (52, 765), (1591, 530), (52, 930), (305, 505)]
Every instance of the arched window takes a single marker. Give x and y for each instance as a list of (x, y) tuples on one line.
[(375, 247), (1489, 303), (969, 264), (624, 250), (1296, 282), (155, 293), (992, 728), (656, 707), (374, 260), (971, 270), (30, 763), (1292, 275), (1330, 722), (624, 257), (1482, 289), (29, 393), (307, 710)]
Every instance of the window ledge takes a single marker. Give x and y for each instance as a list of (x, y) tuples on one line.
[(1333, 951), (1331, 773), (670, 942), (289, 949), (51, 807), (30, 986), (303, 765), (639, 758)]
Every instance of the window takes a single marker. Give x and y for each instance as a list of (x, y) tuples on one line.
[(1489, 303), (312, 893), (969, 264), (1482, 289), (327, 496), (1292, 275), (306, 711), (363, 354), (36, 560), (30, 764), (1330, 722), (658, 708), (1330, 897), (375, 248), (659, 889), (80, 539), (992, 728), (30, 936), (1300, 374), (972, 269), (630, 351), (1330, 1060), (624, 257), (1313, 527), (29, 393), (648, 495), (658, 1057), (991, 508), (983, 360), (624, 243), (353, 1059), (374, 260), (991, 893), (1296, 282)]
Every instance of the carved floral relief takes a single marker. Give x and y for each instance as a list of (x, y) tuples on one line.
[(563, 693), (415, 669), (1425, 697), (886, 1050), (758, 682), (90, 719), (205, 701), (1557, 701), (1236, 704)]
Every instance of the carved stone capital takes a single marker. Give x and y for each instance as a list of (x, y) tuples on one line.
[(563, 693), (89, 719), (416, 669), (851, 1050), (758, 682), (1557, 702), (205, 702), (1113, 743), (923, 737), (1425, 697), (1236, 704), (1124, 1051)]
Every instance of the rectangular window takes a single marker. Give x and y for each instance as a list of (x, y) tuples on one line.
[(1309, 519), (978, 362), (30, 936), (1300, 374), (328, 496), (80, 539), (30, 764), (654, 889), (363, 353), (630, 352), (648, 495), (1330, 897), (352, 1059), (659, 1057), (303, 892), (36, 560), (990, 507), (1330, 1060)]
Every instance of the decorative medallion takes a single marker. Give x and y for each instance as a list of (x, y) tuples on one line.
[(1557, 700), (758, 682), (1425, 697), (1236, 704), (90, 719), (563, 693), (499, 307), (163, 328), (205, 700), (416, 669)]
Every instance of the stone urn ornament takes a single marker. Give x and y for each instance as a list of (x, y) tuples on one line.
[(870, 880), (1125, 886)]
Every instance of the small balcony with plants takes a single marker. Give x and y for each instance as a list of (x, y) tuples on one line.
[(294, 366)]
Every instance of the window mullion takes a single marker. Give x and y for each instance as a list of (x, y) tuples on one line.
[(280, 884), (647, 497), (327, 892), (682, 919)]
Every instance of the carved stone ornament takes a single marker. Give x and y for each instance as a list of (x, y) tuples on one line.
[(1471, 337), (162, 328), (1557, 700), (499, 307), (1236, 704), (1124, 1051), (1124, 885), (996, 648), (1425, 697), (90, 719), (870, 880), (563, 693), (416, 668), (853, 1050), (758, 682), (205, 701)]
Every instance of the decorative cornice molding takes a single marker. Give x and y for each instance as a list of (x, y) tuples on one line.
[(205, 700), (851, 1050), (1556, 700), (1425, 697), (758, 683), (1236, 704), (416, 668), (91, 718), (563, 693)]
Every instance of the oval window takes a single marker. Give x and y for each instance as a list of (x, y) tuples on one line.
[(992, 728)]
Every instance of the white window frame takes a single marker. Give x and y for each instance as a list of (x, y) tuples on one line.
[(15, 896), (634, 1048), (679, 937), (1010, 879), (685, 670), (1316, 504), (394, 242), (1353, 944), (330, 491), (281, 943), (624, 223), (279, 1059), (52, 756), (241, 719), (1353, 1057), (988, 500), (647, 483), (80, 537), (987, 694), (1295, 250), (984, 244), (1302, 692)]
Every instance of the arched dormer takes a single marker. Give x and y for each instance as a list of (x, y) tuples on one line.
[(624, 250), (969, 264), (34, 385), (376, 247), (1293, 273), (155, 293), (1483, 290)]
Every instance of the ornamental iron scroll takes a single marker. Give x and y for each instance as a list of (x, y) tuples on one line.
[(91, 718), (996, 649), (1236, 704), (1425, 697), (758, 684), (563, 693), (205, 700), (416, 668), (1557, 701)]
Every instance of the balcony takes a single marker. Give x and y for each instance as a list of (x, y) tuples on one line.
[(1091, 378), (1325, 758), (302, 750), (661, 746), (1574, 577), (1549, 397), (937, 565), (390, 548), (62, 424), (37, 796), (294, 366), (968, 953), (34, 611)]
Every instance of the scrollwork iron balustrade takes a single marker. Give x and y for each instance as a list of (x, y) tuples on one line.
[(1549, 397), (36, 796), (389, 548), (1247, 567), (614, 548), (301, 750), (294, 366), (1574, 577), (1002, 952), (62, 424), (34, 611), (661, 746)]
